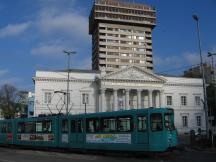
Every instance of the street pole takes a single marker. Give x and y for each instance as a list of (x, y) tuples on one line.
[(68, 77), (196, 18)]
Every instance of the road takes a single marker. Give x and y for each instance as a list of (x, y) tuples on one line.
[(21, 155)]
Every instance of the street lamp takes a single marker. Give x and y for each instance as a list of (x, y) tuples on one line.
[(68, 77), (196, 18)]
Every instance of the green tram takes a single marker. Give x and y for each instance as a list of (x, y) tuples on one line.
[(140, 130)]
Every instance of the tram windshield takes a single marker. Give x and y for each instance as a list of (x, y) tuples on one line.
[(156, 122), (168, 121)]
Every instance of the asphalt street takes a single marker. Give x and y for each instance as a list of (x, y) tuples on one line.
[(21, 155)]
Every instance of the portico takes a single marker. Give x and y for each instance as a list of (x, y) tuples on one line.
[(130, 88), (117, 99)]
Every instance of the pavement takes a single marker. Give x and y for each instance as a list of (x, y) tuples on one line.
[(23, 155)]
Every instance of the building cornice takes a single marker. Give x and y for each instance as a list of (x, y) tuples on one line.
[(183, 84), (52, 79), (131, 81)]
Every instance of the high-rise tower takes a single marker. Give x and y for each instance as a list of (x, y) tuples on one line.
[(121, 34)]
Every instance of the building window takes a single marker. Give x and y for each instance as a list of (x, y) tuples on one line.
[(199, 121), (47, 97), (185, 121), (85, 98), (183, 100), (169, 100), (197, 100)]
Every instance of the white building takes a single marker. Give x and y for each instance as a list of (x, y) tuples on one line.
[(129, 88)]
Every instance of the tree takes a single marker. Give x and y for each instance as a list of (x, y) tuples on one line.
[(8, 95)]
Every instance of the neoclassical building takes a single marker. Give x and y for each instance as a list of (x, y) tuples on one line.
[(128, 88)]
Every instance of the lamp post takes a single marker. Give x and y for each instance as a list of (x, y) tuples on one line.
[(68, 77), (196, 18)]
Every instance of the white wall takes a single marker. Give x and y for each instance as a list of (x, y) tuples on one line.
[(177, 87), (58, 82)]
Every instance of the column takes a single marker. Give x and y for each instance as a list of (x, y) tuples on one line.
[(150, 98), (115, 99), (161, 100), (127, 93), (139, 98), (103, 101)]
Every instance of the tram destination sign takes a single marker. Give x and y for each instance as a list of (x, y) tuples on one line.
[(108, 138)]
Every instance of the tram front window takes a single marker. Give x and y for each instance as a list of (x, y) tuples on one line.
[(156, 122), (168, 122)]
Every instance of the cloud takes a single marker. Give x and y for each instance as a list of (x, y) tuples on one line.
[(213, 50), (14, 29), (17, 82), (3, 72), (173, 61), (83, 63), (48, 50), (55, 20), (69, 23), (176, 64), (191, 58), (13, 81)]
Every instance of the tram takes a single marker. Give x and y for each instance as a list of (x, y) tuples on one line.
[(140, 130)]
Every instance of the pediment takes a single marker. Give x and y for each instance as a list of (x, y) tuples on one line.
[(133, 73)]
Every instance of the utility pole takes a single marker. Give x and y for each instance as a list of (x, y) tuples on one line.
[(196, 18), (68, 77)]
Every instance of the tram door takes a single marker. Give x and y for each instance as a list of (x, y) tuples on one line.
[(77, 134), (64, 132), (142, 129)]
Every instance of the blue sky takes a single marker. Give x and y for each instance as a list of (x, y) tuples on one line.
[(33, 34)]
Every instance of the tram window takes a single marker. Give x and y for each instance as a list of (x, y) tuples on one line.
[(73, 126), (79, 126), (109, 125), (47, 126), (21, 128), (168, 122), (156, 122), (92, 125), (39, 127), (64, 126), (142, 123), (9, 127), (5, 128), (124, 124), (29, 127)]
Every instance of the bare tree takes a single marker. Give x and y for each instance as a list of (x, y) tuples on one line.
[(8, 95)]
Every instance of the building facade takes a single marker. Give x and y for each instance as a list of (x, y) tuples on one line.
[(210, 79), (121, 34), (129, 88)]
